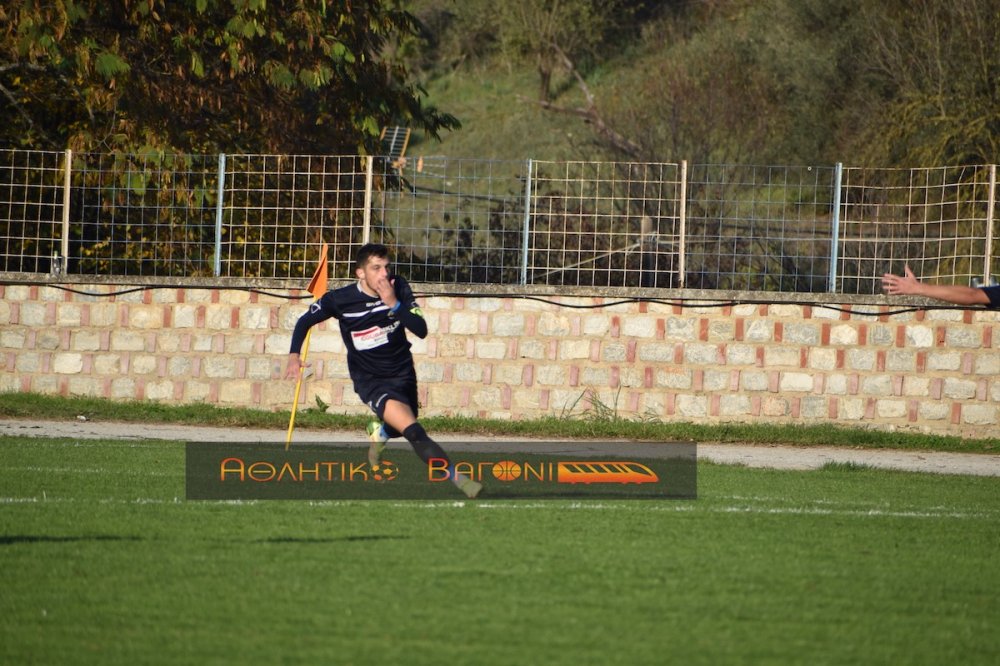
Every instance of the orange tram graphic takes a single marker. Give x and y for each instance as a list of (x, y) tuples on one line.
[(572, 472), (604, 472)]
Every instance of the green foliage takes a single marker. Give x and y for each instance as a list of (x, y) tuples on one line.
[(939, 64), (206, 75), (542, 32), (768, 82), (779, 81), (109, 65), (751, 85)]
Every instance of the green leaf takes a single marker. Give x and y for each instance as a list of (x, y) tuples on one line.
[(370, 126), (339, 51), (308, 78), (197, 65), (136, 181), (109, 65), (279, 75), (150, 153)]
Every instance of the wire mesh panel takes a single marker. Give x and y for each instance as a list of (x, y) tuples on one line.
[(31, 203), (763, 228), (935, 220), (452, 220), (279, 209), (142, 215), (604, 224)]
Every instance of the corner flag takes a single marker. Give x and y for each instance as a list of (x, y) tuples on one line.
[(317, 287)]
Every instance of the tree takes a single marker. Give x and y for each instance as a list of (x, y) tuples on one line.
[(730, 82), (939, 68), (547, 31), (206, 75)]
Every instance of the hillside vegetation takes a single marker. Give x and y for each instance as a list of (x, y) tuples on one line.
[(886, 83), (876, 82)]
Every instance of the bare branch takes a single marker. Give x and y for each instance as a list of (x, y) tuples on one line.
[(590, 114), (17, 105)]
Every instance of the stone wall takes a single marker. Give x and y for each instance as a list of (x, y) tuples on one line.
[(507, 357)]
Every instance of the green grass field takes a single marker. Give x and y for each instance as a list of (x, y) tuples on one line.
[(105, 562)]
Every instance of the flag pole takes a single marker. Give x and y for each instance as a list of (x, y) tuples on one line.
[(298, 387), (317, 287)]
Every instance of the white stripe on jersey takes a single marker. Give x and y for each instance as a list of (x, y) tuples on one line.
[(377, 308)]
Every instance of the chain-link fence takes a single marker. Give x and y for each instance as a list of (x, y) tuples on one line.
[(762, 228)]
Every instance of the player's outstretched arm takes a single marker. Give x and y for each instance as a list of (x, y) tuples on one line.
[(314, 315), (908, 285)]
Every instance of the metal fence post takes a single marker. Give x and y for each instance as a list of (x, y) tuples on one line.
[(682, 226), (838, 176), (366, 231), (990, 211), (527, 225), (63, 265), (220, 194)]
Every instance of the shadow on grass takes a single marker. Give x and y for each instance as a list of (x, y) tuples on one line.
[(369, 537), (847, 467), (13, 539)]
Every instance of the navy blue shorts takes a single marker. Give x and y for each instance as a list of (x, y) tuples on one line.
[(375, 393)]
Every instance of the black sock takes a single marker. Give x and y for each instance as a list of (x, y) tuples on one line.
[(425, 447)]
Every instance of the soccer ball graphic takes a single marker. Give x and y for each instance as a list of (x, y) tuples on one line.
[(385, 471)]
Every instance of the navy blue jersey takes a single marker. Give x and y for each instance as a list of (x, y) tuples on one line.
[(373, 334), (993, 293)]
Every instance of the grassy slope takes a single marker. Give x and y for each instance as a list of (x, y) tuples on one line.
[(501, 120)]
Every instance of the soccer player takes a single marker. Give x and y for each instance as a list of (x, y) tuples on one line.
[(374, 314), (908, 284)]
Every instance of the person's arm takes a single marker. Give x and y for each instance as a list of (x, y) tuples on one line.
[(314, 315), (413, 319), (409, 312), (908, 285)]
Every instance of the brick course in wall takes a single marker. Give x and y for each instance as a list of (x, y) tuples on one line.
[(853, 363)]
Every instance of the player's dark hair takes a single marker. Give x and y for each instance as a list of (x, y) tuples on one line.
[(368, 251)]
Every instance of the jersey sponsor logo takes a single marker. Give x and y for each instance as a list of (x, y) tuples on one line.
[(373, 337)]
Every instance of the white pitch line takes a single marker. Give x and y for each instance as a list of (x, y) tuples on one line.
[(576, 506), (92, 470), (878, 513)]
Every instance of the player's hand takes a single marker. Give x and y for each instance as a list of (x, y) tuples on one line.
[(895, 285), (294, 366), (385, 288)]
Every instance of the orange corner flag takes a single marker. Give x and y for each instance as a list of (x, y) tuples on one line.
[(317, 286)]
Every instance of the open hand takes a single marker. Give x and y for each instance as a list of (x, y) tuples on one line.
[(895, 285)]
